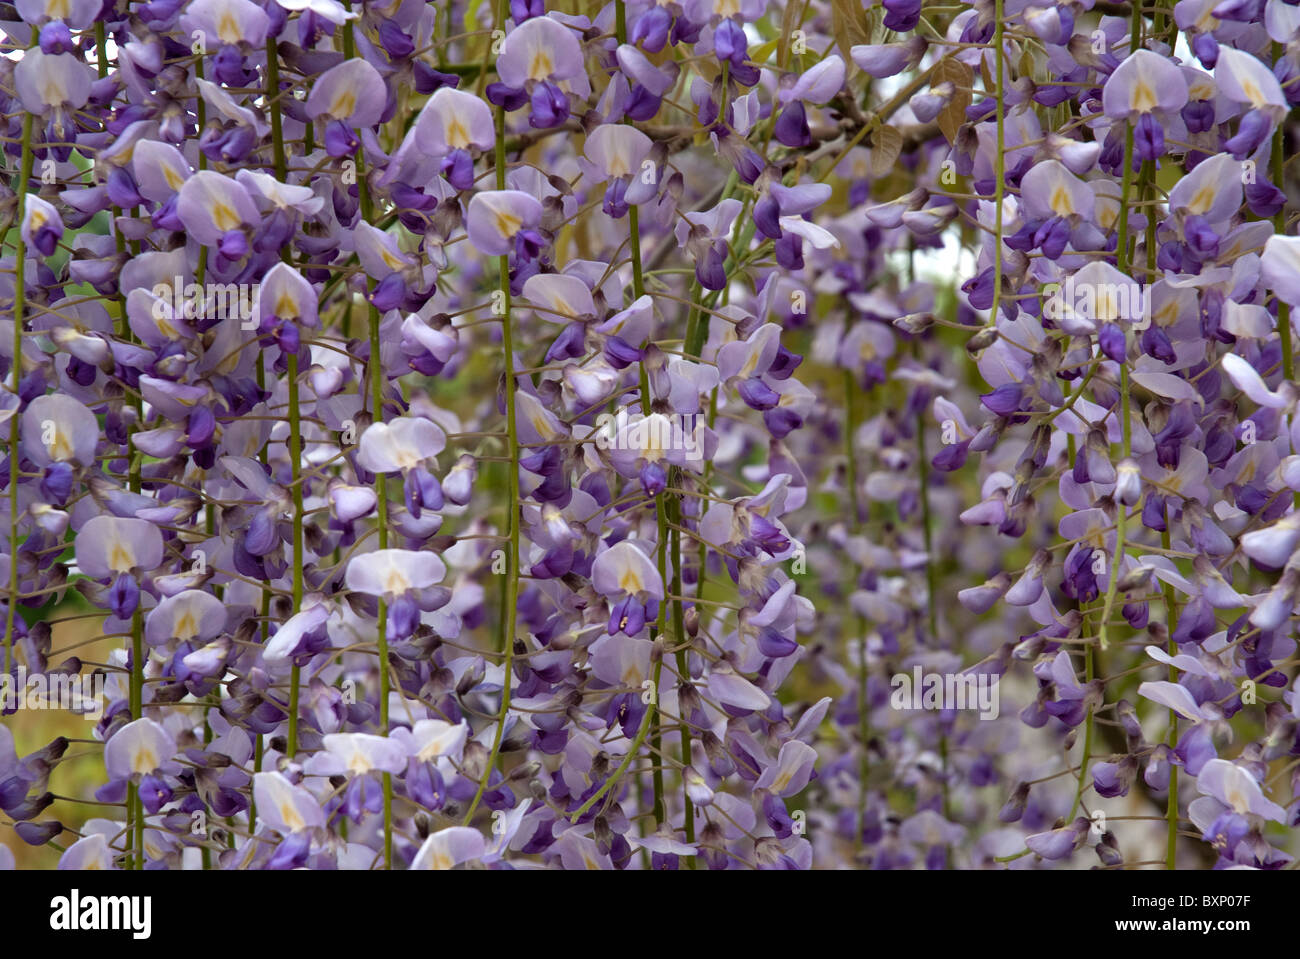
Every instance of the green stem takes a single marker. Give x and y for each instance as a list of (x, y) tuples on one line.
[(201, 110), (1087, 740), (510, 613), (999, 160), (1122, 259), (855, 525), (295, 466), (375, 373), (632, 751), (1279, 227), (272, 91), (683, 666), (20, 302), (1171, 805)]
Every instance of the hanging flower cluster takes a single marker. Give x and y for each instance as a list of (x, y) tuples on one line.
[(704, 434)]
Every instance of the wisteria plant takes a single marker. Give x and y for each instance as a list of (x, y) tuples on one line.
[(611, 434)]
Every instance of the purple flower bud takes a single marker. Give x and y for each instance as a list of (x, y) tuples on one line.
[(792, 125), (395, 41), (524, 10), (1255, 127), (757, 394), (902, 15), (650, 29), (1004, 400), (653, 479), (507, 97), (550, 106), (124, 596), (233, 244), (55, 37), (730, 42), (620, 354), (56, 483), (340, 141), (627, 617)]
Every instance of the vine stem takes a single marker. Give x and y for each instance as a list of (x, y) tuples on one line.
[(295, 425), (375, 374), (20, 303), (1171, 806), (1122, 260), (1279, 226), (661, 506), (999, 161), (683, 667), (627, 760), (294, 443), (511, 611), (855, 525)]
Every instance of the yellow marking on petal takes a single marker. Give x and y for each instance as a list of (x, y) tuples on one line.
[(1253, 93), (391, 261), (541, 66), (782, 781), (58, 9), (344, 103), (1237, 800), (540, 423), (396, 582), (618, 165), (228, 28), (507, 223), (1204, 199), (52, 92), (630, 580), (1107, 305), (144, 760), (1060, 202), (358, 763), (727, 8), (186, 627), (1144, 99), (286, 306), (38, 219), (174, 179), (60, 446), (224, 217), (455, 132), (289, 816), (121, 559), (440, 860)]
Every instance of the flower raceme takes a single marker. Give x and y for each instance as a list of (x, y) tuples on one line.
[(614, 399)]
